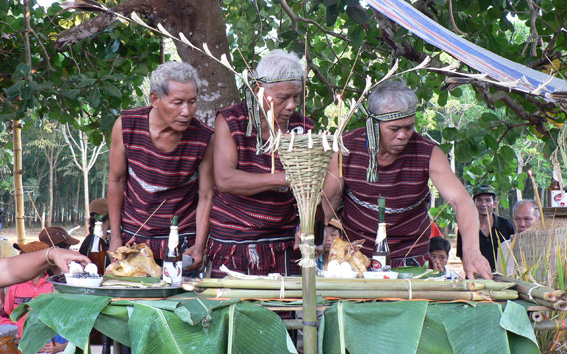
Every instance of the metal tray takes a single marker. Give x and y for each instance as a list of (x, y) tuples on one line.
[(60, 285)]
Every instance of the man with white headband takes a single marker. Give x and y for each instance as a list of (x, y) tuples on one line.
[(254, 217), (389, 159)]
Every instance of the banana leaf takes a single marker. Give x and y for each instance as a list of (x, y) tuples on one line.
[(387, 327), (433, 336), (477, 330), (520, 332), (71, 316)]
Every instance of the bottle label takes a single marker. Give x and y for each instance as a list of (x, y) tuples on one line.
[(377, 262), (172, 272), (557, 199)]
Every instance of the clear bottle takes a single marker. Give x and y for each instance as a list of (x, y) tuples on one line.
[(97, 253), (381, 253), (172, 264), (555, 191)]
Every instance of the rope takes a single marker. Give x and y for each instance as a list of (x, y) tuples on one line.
[(530, 292), (410, 295)]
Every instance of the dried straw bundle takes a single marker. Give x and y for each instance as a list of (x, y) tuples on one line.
[(538, 252)]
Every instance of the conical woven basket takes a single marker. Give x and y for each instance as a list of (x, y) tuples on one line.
[(306, 168)]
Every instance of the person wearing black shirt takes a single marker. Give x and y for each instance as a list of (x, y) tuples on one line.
[(493, 229)]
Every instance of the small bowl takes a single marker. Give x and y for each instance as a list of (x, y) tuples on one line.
[(380, 275), (83, 282), (348, 275)]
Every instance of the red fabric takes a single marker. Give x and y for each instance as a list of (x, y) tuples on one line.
[(22, 293), (435, 231)]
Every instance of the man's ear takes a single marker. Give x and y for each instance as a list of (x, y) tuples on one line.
[(154, 98)]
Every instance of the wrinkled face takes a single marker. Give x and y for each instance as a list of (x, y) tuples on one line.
[(329, 238), (285, 96), (178, 107), (395, 134), (524, 217), (439, 256), (485, 205)]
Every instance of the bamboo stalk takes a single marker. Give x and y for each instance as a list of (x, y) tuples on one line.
[(549, 325), (294, 283), (559, 305), (543, 292), (367, 294)]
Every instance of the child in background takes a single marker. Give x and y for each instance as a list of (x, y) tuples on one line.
[(332, 231), (21, 293), (439, 249)]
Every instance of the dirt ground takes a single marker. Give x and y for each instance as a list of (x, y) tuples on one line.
[(33, 233)]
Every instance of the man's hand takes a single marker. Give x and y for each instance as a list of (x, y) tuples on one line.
[(196, 252), (475, 263)]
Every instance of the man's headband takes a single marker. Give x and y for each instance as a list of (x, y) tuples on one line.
[(389, 116), (279, 78)]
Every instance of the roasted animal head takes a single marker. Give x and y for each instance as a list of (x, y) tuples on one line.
[(344, 251), (136, 260)]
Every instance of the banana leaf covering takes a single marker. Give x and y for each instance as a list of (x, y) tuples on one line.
[(187, 324), (426, 327), (173, 325)]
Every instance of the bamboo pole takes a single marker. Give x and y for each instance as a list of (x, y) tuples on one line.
[(294, 283), (549, 325), (559, 305), (542, 292), (367, 294)]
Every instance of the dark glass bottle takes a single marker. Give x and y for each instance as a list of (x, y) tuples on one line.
[(97, 253), (381, 253), (172, 264)]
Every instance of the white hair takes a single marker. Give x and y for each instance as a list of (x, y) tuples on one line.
[(176, 71), (392, 96), (278, 63)]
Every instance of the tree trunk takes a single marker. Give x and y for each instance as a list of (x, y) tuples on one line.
[(85, 169), (50, 196), (201, 22)]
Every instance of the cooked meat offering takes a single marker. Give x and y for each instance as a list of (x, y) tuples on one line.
[(136, 260), (343, 251)]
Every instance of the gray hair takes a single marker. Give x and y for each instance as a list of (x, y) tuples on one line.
[(176, 71), (526, 201), (278, 63), (392, 96)]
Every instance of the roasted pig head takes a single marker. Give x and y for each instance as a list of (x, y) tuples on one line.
[(136, 260)]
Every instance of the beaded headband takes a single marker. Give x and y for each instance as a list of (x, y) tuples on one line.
[(279, 78), (373, 137)]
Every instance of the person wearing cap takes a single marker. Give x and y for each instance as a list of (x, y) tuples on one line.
[(254, 217), (389, 159), (493, 229), (56, 236), (161, 167), (98, 208)]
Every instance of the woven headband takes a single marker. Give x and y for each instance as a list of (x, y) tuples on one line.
[(373, 137), (390, 116), (279, 78)]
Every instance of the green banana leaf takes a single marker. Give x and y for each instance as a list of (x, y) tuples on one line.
[(520, 332), (387, 327), (433, 336), (63, 313), (477, 330)]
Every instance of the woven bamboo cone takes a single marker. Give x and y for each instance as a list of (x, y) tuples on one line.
[(367, 294), (306, 167)]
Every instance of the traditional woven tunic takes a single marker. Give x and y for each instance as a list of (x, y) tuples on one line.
[(154, 176), (404, 186), (251, 233)]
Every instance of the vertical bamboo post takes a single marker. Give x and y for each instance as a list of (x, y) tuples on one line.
[(309, 295), (18, 185)]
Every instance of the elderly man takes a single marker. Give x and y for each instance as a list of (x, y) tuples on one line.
[(161, 166), (493, 229), (525, 213), (254, 217), (389, 159)]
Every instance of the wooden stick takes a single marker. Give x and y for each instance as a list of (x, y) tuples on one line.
[(149, 217), (538, 201)]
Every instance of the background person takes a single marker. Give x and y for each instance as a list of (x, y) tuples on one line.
[(254, 216), (389, 159), (162, 154), (439, 249), (525, 214), (56, 236), (493, 229)]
